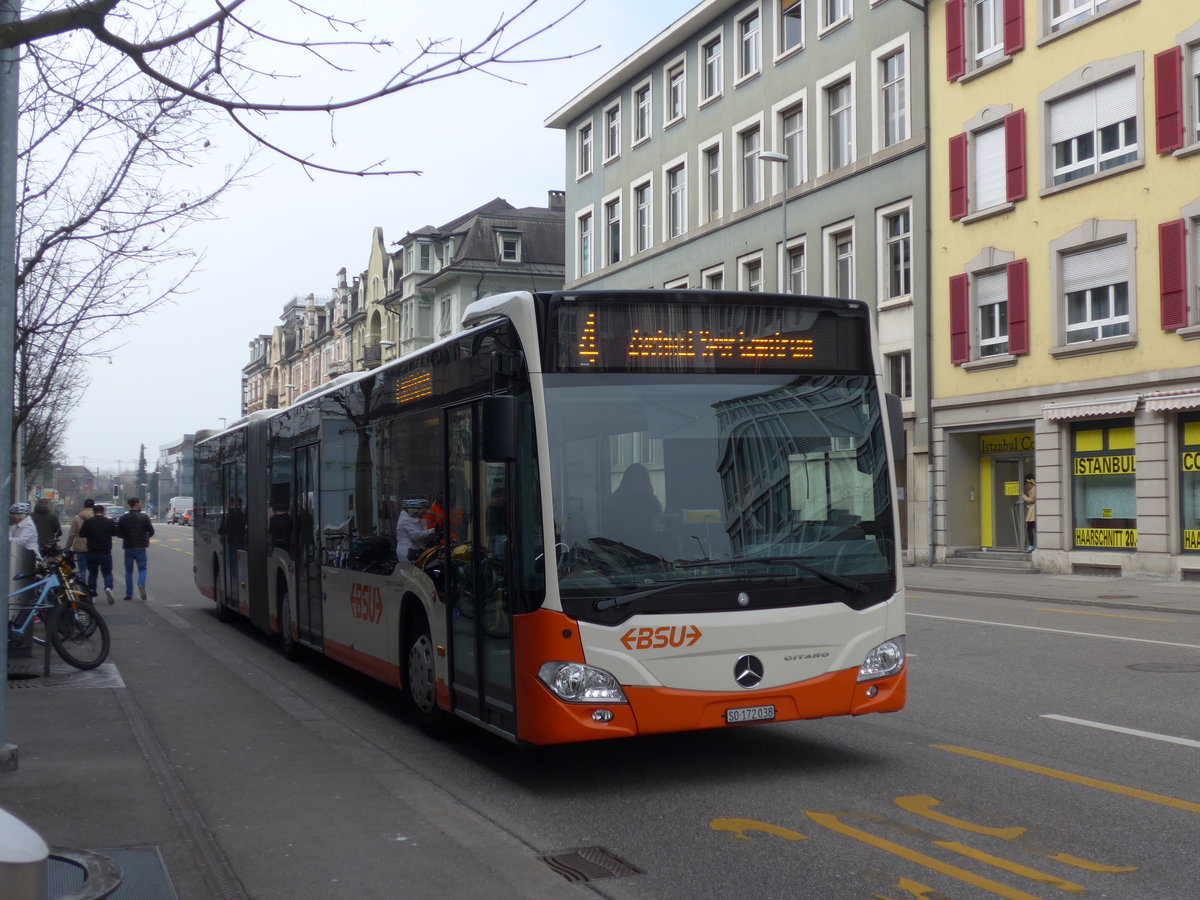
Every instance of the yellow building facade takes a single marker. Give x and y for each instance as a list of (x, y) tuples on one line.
[(1065, 263)]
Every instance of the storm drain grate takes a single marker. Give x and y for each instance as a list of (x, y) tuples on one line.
[(589, 864)]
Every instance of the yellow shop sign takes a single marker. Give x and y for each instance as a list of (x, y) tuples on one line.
[(1125, 464), (1120, 538), (1015, 442)]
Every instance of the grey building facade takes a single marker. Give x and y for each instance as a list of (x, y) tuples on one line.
[(679, 160)]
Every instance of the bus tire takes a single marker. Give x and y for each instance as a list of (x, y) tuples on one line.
[(291, 648), (223, 612), (420, 680)]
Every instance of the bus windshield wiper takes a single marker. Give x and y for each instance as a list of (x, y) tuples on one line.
[(793, 561), (626, 599)]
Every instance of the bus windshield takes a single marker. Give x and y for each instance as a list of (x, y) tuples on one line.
[(680, 493)]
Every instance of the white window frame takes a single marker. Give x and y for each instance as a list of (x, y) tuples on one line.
[(674, 90), (779, 113), (984, 45), (882, 92), (706, 73), (675, 199), (830, 236), (748, 65), (585, 257), (585, 149), (781, 52), (849, 74), (1094, 234), (1064, 16), (606, 205), (612, 144), (1191, 85), (635, 109), (708, 211), (980, 171), (830, 22), (515, 237), (885, 243), (788, 271), (997, 304), (676, 284), (711, 274), (905, 358), (1091, 81), (641, 235), (755, 123), (747, 266)]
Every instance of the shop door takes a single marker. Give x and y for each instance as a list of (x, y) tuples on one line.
[(478, 587), (1007, 509), (306, 550)]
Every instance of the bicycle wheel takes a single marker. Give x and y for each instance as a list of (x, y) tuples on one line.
[(79, 634)]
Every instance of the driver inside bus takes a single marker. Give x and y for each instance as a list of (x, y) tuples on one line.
[(413, 531)]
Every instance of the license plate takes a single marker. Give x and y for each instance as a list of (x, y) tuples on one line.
[(749, 714)]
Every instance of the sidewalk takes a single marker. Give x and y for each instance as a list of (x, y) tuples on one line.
[(1118, 593)]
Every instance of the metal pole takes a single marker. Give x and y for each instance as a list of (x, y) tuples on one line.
[(10, 12)]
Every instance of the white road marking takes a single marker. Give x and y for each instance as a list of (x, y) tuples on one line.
[(1108, 637), (1186, 742)]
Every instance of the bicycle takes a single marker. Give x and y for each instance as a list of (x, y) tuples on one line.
[(76, 630)]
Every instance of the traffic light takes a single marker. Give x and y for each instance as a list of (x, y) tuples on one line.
[(116, 492)]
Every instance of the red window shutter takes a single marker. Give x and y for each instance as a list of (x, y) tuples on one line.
[(1014, 26), (960, 319), (1018, 307), (1168, 99), (958, 176), (1172, 274), (1014, 154), (956, 51)]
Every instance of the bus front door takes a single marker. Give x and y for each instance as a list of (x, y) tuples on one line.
[(306, 550), (477, 528)]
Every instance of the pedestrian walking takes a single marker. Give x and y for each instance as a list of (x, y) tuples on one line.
[(1030, 498), (99, 531), (48, 528), (75, 543), (135, 529)]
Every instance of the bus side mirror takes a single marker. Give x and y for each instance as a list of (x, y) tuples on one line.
[(499, 439), (895, 417)]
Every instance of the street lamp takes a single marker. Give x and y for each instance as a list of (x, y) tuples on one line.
[(785, 280)]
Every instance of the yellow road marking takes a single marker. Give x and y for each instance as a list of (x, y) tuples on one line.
[(739, 827), (912, 888), (992, 887), (1009, 866), (1081, 612), (1088, 865), (1160, 799), (923, 806)]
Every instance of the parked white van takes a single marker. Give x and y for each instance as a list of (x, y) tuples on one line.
[(176, 508)]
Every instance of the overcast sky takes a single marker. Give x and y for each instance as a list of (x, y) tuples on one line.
[(286, 234)]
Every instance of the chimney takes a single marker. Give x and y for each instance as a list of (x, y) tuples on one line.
[(556, 200)]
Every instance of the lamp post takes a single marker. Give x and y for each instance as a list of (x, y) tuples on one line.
[(785, 280)]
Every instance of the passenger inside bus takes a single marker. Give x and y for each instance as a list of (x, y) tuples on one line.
[(633, 508)]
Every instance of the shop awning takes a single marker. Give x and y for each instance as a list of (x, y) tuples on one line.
[(1164, 401), (1086, 409)]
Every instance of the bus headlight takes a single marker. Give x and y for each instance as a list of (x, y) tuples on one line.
[(886, 659), (577, 683)]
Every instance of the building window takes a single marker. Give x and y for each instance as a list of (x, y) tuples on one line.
[(792, 127), (750, 273), (676, 284), (643, 213), (676, 201), (899, 373), (713, 81), (1096, 294), (896, 245), (1069, 13), (612, 132), (839, 262), (712, 182), (991, 303), (797, 271), (989, 308), (839, 105), (988, 172), (1104, 484), (1094, 130), (612, 230), (641, 113), (583, 142), (987, 164), (425, 259), (987, 31), (751, 144), (980, 33), (676, 93), (791, 25), (834, 11), (713, 279), (893, 74), (585, 244), (510, 246), (749, 45)]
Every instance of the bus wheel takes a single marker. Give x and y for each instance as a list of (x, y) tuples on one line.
[(288, 644), (422, 680), (223, 613)]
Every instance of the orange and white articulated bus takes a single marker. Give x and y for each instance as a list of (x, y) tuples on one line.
[(587, 515)]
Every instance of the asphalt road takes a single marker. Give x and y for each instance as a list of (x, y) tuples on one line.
[(1046, 750)]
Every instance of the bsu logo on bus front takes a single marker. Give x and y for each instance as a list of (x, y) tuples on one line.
[(657, 638)]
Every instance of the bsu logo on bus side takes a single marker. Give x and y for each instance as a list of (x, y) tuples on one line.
[(366, 603), (663, 636)]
